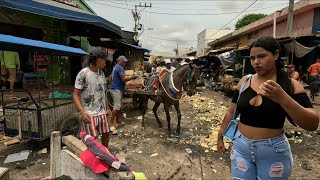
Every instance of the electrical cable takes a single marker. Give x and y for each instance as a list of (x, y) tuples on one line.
[(231, 20), (187, 14)]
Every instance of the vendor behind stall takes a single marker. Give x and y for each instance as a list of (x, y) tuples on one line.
[(10, 64), (118, 79)]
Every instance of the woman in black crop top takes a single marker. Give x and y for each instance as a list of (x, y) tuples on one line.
[(260, 149)]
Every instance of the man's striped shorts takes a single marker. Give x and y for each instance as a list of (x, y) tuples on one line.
[(98, 125)]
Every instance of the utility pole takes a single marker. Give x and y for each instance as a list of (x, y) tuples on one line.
[(136, 17), (177, 50), (290, 18)]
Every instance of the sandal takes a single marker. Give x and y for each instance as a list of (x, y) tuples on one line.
[(112, 128), (114, 132)]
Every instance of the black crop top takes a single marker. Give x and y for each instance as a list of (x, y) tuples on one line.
[(269, 114)]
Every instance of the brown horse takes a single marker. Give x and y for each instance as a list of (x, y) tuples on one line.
[(171, 88)]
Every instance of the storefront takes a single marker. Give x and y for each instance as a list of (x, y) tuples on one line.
[(47, 22)]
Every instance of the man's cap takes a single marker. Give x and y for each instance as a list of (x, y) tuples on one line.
[(122, 58), (291, 66), (167, 61), (98, 53)]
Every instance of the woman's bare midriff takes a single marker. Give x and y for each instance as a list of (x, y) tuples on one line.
[(256, 133)]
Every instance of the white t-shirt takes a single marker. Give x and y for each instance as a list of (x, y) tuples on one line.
[(93, 86)]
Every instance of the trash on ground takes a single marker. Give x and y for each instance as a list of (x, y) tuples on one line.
[(189, 151), (153, 155), (43, 151), (23, 155)]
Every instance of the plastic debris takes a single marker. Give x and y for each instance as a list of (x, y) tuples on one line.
[(43, 151), (189, 151), (153, 155), (23, 155)]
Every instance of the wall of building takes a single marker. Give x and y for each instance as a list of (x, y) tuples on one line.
[(303, 24), (206, 36)]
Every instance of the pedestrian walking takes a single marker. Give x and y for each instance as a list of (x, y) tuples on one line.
[(89, 96), (260, 148)]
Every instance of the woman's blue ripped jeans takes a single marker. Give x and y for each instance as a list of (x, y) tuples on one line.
[(260, 159)]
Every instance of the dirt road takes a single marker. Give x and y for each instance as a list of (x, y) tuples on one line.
[(191, 156)]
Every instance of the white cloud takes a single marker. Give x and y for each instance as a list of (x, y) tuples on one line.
[(178, 29)]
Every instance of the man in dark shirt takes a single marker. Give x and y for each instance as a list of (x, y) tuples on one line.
[(118, 79)]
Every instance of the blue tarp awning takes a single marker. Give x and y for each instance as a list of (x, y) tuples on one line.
[(12, 43), (137, 47), (81, 24)]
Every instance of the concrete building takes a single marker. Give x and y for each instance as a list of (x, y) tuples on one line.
[(206, 36), (306, 21)]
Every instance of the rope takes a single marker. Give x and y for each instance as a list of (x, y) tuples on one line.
[(175, 99), (172, 83)]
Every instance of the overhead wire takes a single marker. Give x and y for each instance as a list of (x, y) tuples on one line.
[(231, 20), (188, 14), (196, 3), (184, 9)]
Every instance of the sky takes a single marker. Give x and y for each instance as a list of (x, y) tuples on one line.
[(168, 23)]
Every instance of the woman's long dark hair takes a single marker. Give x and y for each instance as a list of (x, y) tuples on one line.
[(271, 44)]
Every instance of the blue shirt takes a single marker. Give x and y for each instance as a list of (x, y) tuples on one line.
[(117, 83)]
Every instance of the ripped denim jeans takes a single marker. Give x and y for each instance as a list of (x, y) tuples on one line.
[(260, 159)]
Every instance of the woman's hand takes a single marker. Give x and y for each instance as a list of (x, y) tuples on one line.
[(272, 90), (220, 145)]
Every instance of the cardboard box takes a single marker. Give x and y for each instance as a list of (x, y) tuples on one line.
[(129, 72), (138, 81)]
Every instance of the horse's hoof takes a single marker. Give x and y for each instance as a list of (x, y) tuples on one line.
[(178, 133)]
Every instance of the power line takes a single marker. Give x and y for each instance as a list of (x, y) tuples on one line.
[(174, 40), (189, 14), (232, 20), (184, 4), (184, 9)]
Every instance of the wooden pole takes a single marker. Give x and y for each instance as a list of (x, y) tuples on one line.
[(55, 153)]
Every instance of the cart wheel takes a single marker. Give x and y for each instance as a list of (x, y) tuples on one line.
[(70, 126)]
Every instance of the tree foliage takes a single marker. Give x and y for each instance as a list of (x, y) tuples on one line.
[(248, 19)]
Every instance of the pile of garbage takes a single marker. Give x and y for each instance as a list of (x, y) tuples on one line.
[(212, 111), (208, 109)]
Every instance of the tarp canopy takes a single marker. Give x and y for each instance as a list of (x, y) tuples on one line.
[(137, 47), (298, 49), (12, 43), (80, 24), (221, 50), (226, 58), (114, 44)]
